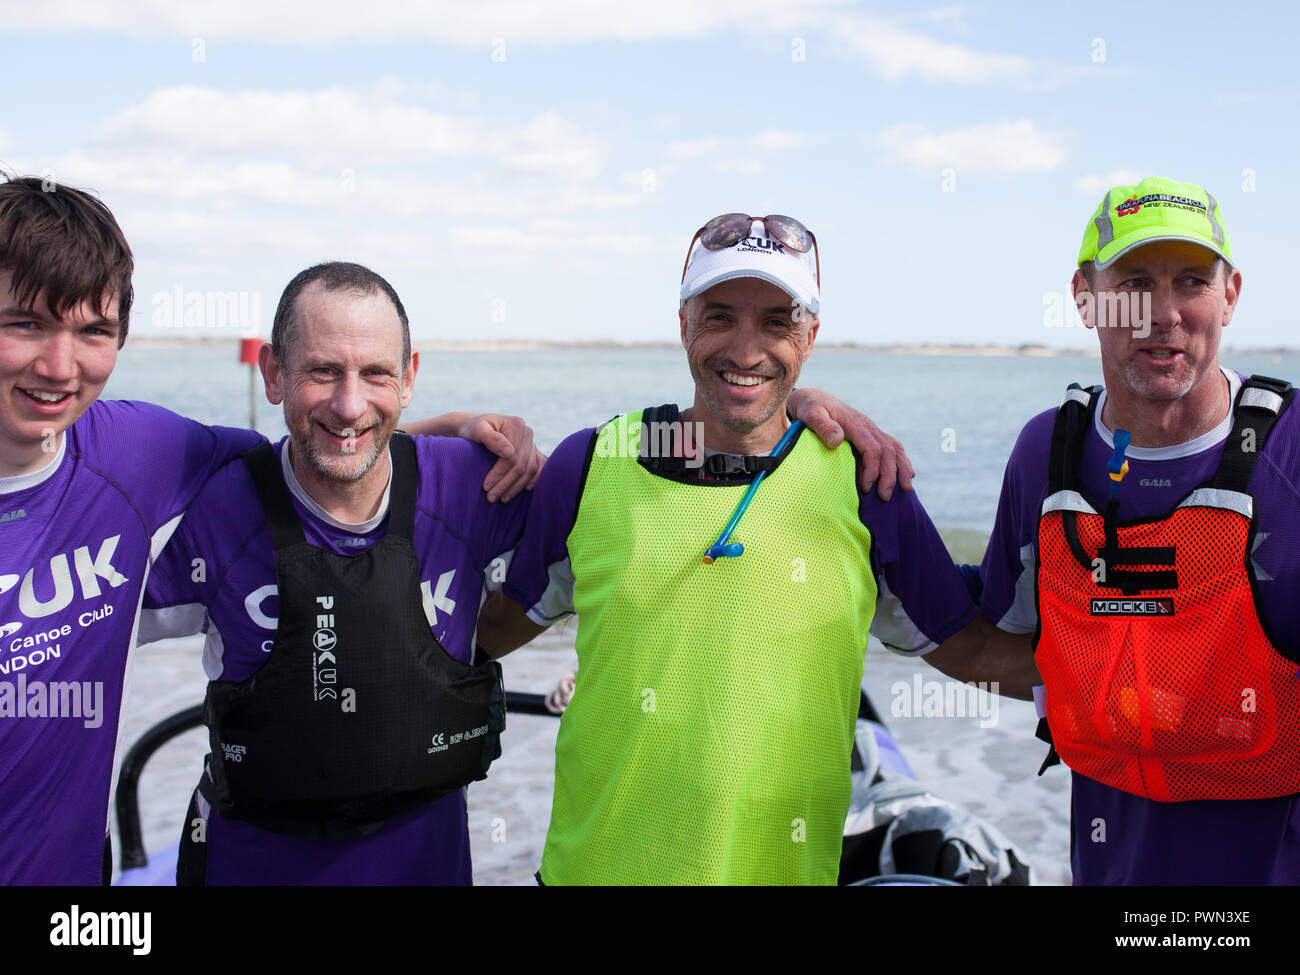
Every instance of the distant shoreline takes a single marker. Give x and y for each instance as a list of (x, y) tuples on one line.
[(506, 345)]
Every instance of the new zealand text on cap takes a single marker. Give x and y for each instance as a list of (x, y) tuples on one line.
[(1154, 209)]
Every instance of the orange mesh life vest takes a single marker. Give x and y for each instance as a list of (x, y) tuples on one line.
[(1160, 679)]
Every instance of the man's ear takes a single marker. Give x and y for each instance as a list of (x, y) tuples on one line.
[(408, 380), (1084, 300), (272, 374), (681, 318), (1231, 292), (813, 326)]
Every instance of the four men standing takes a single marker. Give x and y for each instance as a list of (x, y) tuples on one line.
[(725, 574)]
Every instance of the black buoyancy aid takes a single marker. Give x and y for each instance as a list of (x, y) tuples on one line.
[(1161, 678), (358, 712)]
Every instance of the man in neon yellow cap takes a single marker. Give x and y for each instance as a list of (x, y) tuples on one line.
[(709, 735), (1159, 578)]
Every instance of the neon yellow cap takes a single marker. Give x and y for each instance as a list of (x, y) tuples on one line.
[(1154, 209)]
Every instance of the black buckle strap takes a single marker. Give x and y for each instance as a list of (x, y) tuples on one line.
[(1044, 734), (719, 464), (286, 527), (401, 495), (1072, 421), (1127, 581), (1138, 555), (1136, 583), (1251, 425), (264, 468)]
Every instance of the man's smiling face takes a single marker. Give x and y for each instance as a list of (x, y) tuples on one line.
[(52, 367), (343, 383), (746, 342)]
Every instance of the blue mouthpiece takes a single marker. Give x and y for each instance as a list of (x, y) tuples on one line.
[(729, 551), (1122, 440), (1117, 466)]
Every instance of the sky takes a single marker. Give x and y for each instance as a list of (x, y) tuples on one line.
[(535, 169)]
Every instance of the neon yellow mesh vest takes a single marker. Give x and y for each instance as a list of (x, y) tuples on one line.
[(708, 740)]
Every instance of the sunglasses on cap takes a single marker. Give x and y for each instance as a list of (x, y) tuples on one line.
[(730, 229)]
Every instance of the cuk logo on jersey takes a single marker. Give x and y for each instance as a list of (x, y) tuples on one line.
[(9, 629), (1163, 606), (89, 572)]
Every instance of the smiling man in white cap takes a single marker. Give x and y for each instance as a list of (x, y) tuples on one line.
[(721, 625), (764, 271)]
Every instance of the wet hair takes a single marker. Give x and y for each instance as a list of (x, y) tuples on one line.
[(333, 276), (63, 243)]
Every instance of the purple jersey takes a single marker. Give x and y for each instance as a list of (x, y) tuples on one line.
[(218, 574), (1121, 838), (921, 600), (77, 539)]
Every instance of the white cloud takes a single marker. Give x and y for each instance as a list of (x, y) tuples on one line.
[(1236, 98), (895, 53), (1095, 185), (498, 27), (544, 235), (778, 140), (684, 150), (337, 120), (730, 157), (997, 147), (331, 147), (176, 236), (448, 21), (553, 145), (180, 177), (739, 166), (940, 14), (497, 238)]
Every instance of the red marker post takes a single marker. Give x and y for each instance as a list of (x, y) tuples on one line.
[(248, 349)]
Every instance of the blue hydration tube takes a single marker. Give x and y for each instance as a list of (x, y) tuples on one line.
[(1117, 467), (721, 549)]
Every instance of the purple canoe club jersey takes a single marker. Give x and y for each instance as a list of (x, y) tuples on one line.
[(218, 574), (1119, 838), (77, 540)]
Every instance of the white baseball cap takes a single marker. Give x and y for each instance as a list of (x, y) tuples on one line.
[(755, 256)]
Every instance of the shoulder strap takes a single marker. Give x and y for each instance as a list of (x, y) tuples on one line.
[(653, 459), (401, 497), (1073, 418), (652, 456), (264, 468), (1260, 402)]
